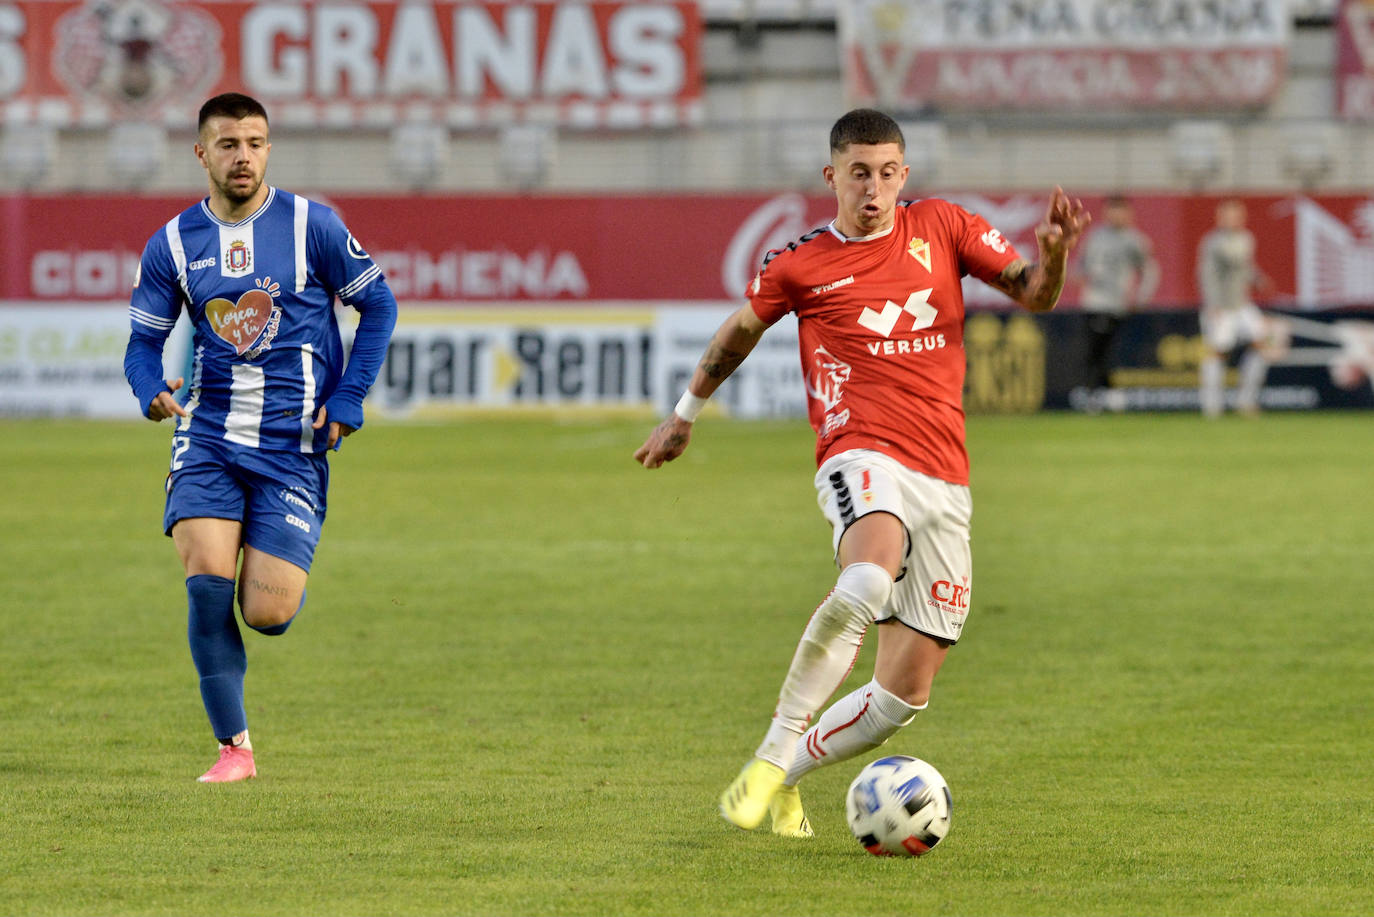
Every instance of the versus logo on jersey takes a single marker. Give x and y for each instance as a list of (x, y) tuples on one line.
[(919, 249), (239, 257), (250, 324), (917, 305)]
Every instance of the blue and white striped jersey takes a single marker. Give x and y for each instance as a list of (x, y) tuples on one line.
[(260, 296)]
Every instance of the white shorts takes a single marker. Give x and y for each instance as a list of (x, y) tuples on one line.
[(932, 593), (1226, 329)]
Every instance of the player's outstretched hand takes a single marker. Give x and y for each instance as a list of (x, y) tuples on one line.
[(337, 431), (164, 405), (667, 442), (1064, 222)]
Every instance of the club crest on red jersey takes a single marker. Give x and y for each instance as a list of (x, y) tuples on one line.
[(919, 249)]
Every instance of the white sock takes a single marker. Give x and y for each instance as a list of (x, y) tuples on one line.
[(1253, 369), (242, 741), (826, 653), (858, 722), (1211, 377)]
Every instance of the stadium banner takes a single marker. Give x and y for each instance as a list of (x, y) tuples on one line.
[(924, 55), (1316, 360), (444, 362), (1355, 60), (1316, 250), (593, 64), (69, 361)]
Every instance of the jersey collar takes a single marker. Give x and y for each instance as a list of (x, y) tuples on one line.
[(834, 230), (267, 202)]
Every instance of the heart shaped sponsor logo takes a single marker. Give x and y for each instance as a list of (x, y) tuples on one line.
[(240, 323)]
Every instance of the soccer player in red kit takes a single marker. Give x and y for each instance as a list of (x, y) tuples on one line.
[(880, 315)]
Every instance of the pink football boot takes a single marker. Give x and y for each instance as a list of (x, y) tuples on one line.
[(235, 763)]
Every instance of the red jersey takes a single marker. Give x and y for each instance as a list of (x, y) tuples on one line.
[(881, 324)]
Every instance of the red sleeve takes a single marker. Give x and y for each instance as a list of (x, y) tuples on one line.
[(983, 251), (767, 293)]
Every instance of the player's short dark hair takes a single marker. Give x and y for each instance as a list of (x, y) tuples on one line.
[(234, 105), (1118, 200), (866, 126)]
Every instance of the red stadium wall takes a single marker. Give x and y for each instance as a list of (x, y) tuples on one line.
[(649, 249)]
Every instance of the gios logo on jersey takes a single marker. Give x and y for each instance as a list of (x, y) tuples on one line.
[(250, 324)]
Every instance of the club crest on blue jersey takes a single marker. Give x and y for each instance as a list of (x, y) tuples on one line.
[(239, 257)]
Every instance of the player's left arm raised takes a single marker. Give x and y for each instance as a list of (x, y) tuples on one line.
[(1037, 285)]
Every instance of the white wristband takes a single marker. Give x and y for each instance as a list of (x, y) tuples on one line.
[(689, 406)]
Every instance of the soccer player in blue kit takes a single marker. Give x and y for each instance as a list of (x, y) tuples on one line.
[(257, 270)]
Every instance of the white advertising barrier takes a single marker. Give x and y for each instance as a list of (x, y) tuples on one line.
[(768, 384), (445, 360), (67, 360)]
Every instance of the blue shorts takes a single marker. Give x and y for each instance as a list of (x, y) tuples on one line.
[(278, 496)]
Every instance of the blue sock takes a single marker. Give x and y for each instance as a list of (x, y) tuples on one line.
[(217, 650), (276, 630)]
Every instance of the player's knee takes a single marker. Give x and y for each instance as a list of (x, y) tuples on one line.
[(268, 613), (859, 595), (866, 586)]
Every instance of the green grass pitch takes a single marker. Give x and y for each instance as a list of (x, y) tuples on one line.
[(527, 667)]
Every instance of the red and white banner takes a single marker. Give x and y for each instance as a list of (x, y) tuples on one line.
[(345, 64), (1063, 54), (658, 249), (1355, 60)]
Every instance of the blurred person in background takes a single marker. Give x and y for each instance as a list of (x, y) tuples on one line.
[(1119, 275), (257, 270), (1227, 276), (881, 319)]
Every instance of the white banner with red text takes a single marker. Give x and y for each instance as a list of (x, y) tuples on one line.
[(368, 63), (923, 55)]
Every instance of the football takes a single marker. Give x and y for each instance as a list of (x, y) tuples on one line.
[(899, 806)]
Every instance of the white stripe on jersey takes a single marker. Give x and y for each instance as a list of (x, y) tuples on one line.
[(245, 405), (360, 281), (173, 232), (193, 402), (151, 320), (302, 213), (308, 400)]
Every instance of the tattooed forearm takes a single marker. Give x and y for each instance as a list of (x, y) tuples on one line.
[(268, 588), (719, 362), (1035, 286), (1014, 280)]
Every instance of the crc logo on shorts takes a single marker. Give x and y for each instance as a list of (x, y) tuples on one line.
[(949, 596)]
